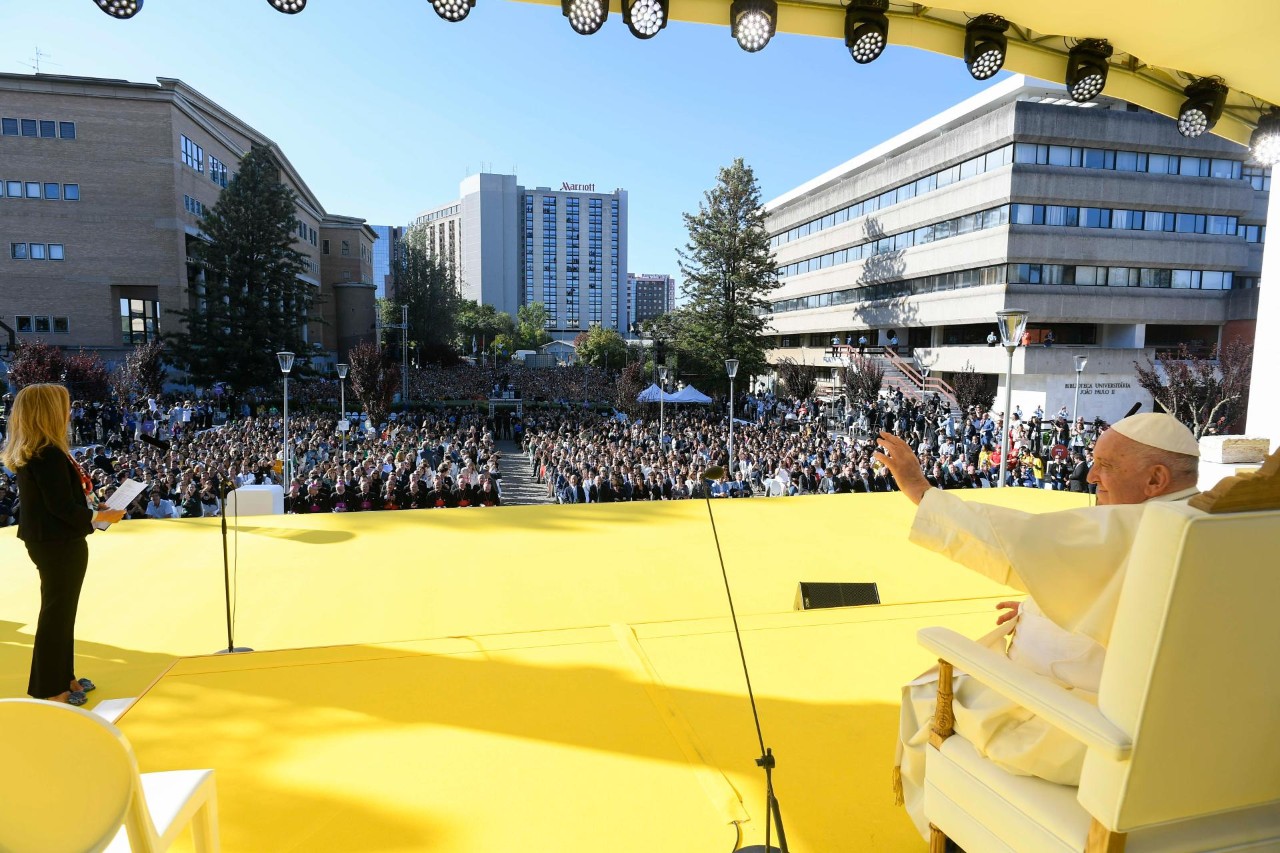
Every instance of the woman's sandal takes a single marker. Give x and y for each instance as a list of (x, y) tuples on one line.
[(86, 685)]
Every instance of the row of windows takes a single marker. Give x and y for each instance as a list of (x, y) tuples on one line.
[(972, 167), (36, 251), (40, 189), (1127, 161), (192, 155), (1120, 276), (1062, 274), (992, 218), (217, 171), (41, 128), (193, 205), (1252, 233), (307, 234), (439, 214), (28, 324), (1122, 219), (139, 321), (1038, 154)]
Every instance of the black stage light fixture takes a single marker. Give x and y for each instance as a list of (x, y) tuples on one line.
[(1265, 142), (866, 29), (985, 45), (645, 17), (1087, 69), (1203, 107), (120, 8), (585, 16), (753, 23), (453, 10), (289, 7)]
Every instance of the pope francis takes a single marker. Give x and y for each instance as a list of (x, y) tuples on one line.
[(1071, 563)]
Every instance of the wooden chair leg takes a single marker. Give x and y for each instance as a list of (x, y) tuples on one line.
[(1102, 840), (944, 720), (937, 840)]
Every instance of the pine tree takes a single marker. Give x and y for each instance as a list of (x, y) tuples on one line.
[(253, 304), (729, 273), (428, 286)]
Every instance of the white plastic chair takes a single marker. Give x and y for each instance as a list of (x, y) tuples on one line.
[(773, 488), (71, 783)]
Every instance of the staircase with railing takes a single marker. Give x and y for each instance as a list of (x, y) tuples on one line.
[(901, 374)]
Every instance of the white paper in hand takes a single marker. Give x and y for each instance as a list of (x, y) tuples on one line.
[(121, 498)]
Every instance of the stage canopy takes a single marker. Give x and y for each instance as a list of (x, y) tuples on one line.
[(689, 394)]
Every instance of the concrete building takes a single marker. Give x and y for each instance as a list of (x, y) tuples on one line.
[(512, 246), (104, 183), (649, 295), (1118, 235)]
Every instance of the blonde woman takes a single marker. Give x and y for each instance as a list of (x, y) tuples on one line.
[(57, 515)]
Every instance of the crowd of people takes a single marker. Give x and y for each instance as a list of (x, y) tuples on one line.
[(188, 452)]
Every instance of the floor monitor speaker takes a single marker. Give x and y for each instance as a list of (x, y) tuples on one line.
[(813, 596)]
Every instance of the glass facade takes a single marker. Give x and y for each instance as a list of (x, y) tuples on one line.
[(139, 321)]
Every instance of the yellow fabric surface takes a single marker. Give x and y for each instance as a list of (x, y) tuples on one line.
[(474, 687)]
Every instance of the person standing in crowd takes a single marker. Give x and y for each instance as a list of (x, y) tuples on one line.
[(57, 517)]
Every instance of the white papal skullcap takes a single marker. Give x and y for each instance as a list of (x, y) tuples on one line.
[(1156, 429)]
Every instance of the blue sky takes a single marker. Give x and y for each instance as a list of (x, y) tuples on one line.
[(384, 108)]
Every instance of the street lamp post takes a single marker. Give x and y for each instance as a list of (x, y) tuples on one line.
[(286, 364), (342, 418), (662, 398), (731, 368), (835, 381), (1081, 361), (1012, 323)]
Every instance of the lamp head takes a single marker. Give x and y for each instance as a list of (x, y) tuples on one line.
[(731, 367), (1012, 323), (286, 361), (663, 372), (1081, 361), (342, 370)]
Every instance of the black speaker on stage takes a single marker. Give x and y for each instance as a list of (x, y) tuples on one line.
[(813, 596)]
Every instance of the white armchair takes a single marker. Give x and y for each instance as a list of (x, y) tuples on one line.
[(70, 782), (1183, 751)]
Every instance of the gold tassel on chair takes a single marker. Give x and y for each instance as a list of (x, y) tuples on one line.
[(897, 786)]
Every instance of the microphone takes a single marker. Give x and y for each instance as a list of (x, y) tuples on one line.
[(158, 443), (715, 472)]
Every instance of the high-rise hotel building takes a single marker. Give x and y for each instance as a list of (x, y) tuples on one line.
[(102, 187), (649, 295), (512, 246), (1117, 234)]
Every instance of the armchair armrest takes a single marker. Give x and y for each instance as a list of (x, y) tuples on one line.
[(1073, 715)]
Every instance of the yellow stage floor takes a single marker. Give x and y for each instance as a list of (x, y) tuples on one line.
[(540, 678)]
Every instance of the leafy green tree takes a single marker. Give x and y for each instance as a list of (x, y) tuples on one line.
[(428, 286), (252, 304), (729, 273), (483, 323), (601, 347), (531, 326)]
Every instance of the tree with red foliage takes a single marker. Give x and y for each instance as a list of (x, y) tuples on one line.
[(141, 373), (86, 377), (1207, 394), (36, 362), (374, 379)]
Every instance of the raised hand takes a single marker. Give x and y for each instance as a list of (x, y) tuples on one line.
[(895, 454)]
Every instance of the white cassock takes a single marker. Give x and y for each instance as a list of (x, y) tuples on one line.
[(1072, 564)]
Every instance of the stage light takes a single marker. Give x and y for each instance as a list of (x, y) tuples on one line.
[(645, 17), (453, 10), (120, 8), (1265, 142), (289, 7), (866, 29), (585, 16), (1202, 108), (985, 45), (1087, 69), (753, 23)]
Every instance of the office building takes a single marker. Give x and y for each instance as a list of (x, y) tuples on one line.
[(649, 295), (103, 186), (384, 253), (512, 246), (1117, 234)]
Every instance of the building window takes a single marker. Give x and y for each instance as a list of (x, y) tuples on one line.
[(42, 325), (346, 275), (33, 189), (9, 127), (346, 248), (55, 252), (71, 192), (67, 129), (324, 247), (28, 127), (192, 155), (61, 326), (23, 324), (48, 129), (217, 171), (37, 251), (13, 189), (18, 251), (139, 320), (52, 191), (194, 206)]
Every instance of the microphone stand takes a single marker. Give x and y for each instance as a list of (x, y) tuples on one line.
[(773, 811), (226, 573)]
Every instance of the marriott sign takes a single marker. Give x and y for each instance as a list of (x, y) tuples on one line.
[(567, 187)]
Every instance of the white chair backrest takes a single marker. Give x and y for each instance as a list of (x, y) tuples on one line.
[(67, 777), (774, 488), (1191, 671)]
